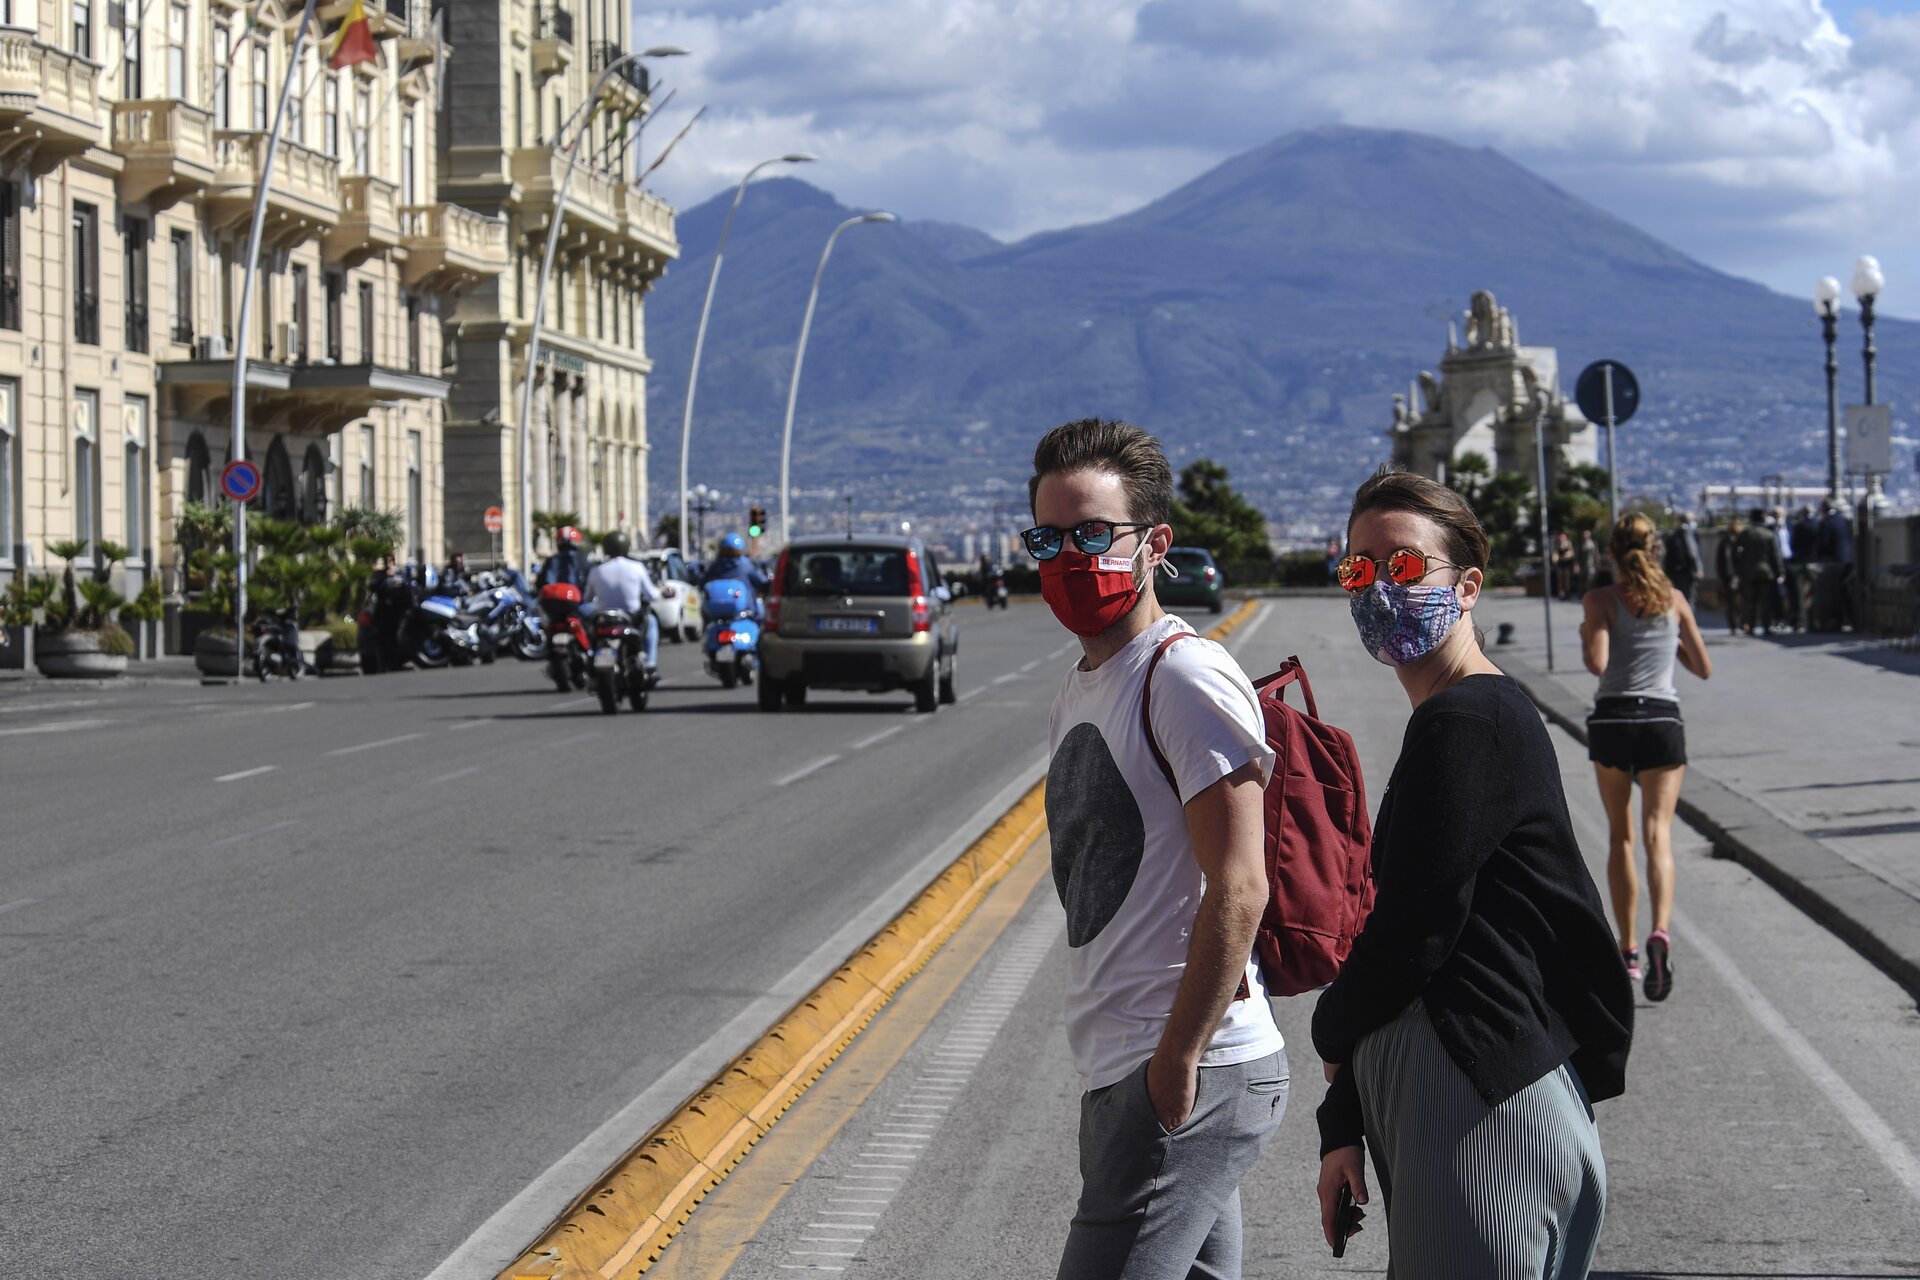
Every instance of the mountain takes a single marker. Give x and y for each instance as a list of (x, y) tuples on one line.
[(1262, 314)]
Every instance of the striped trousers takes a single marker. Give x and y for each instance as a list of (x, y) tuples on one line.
[(1513, 1192)]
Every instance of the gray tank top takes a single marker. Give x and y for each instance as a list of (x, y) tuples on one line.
[(1640, 654)]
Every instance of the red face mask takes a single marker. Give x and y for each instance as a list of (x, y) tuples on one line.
[(1088, 593)]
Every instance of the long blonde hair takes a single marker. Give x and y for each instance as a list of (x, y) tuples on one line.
[(1642, 581)]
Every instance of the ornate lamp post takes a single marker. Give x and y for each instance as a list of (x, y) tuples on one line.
[(1826, 304), (701, 500)]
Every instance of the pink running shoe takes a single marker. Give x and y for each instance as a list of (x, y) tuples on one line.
[(1631, 957)]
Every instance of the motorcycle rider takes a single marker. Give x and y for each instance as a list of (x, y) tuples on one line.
[(621, 582), (453, 579), (733, 562), (567, 564)]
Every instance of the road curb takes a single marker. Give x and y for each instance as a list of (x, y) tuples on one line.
[(620, 1226), (1854, 905)]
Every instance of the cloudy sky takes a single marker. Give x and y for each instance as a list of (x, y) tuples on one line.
[(1777, 139)]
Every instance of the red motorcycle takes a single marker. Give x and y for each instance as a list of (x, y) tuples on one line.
[(567, 641)]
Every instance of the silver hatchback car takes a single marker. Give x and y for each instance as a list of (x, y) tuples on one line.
[(869, 613)]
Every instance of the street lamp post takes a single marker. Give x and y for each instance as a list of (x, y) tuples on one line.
[(1826, 303), (703, 500), (799, 354), (700, 334), (583, 116), (1867, 283)]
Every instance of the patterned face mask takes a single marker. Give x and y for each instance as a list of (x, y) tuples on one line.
[(1400, 624)]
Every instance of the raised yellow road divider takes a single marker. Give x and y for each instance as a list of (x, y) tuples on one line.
[(620, 1226)]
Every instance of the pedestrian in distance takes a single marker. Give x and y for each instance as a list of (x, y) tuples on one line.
[(1565, 566), (1682, 560), (1726, 573), (1835, 546), (1803, 546), (1756, 559), (1483, 1007), (1589, 564), (1162, 875), (1633, 633)]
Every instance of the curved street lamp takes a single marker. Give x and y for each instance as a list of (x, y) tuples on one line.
[(799, 354), (700, 334), (583, 114)]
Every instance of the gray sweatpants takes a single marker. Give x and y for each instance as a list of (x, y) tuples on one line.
[(1162, 1206), (1513, 1192)]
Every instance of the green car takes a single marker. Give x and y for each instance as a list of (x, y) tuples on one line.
[(1199, 582)]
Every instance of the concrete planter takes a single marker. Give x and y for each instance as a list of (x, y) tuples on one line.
[(326, 656), (76, 655), (215, 655)]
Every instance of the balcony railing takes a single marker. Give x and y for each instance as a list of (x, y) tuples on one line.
[(167, 144), (634, 75), (58, 90), (9, 303), (554, 23), (137, 332), (183, 331), (306, 183), (452, 244), (650, 218), (86, 320)]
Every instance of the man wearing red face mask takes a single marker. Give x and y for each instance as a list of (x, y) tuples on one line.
[(1157, 857)]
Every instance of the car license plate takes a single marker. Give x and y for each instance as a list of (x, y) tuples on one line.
[(856, 626)]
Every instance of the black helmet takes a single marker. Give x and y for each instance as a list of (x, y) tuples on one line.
[(615, 544)]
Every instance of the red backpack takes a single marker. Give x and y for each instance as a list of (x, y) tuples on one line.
[(1319, 839)]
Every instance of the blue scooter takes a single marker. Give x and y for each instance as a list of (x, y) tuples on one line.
[(732, 640)]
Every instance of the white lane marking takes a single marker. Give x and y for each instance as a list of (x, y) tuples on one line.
[(571, 703), (455, 775), (1857, 1111), (892, 1145), (16, 905), (249, 835), (1008, 678), (969, 694), (58, 726), (372, 746), (806, 770), (570, 739), (254, 772), (1029, 666), (881, 736), (1238, 639), (20, 708), (467, 724), (499, 1240)]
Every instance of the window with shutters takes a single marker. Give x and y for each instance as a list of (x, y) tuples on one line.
[(9, 256), (179, 19), (132, 79), (222, 75), (86, 275), (180, 301), (133, 241), (134, 489), (368, 330), (86, 469), (257, 86)]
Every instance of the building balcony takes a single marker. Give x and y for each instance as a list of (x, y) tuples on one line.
[(315, 399), (168, 148), (50, 104), (552, 50), (369, 221), (451, 248), (302, 202), (633, 77), (593, 201), (649, 230)]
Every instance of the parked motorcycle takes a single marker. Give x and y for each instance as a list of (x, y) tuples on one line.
[(510, 619), (614, 660), (732, 640), (437, 632), (567, 640), (275, 646)]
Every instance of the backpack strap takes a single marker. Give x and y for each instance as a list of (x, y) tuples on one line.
[(1242, 992), (1290, 672), (1146, 707)]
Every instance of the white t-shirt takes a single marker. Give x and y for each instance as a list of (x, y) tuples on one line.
[(621, 583), (1123, 861)]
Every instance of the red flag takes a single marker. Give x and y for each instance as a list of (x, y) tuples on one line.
[(355, 41)]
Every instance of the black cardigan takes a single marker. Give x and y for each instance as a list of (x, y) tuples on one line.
[(1484, 909)]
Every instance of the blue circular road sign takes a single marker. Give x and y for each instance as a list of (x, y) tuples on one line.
[(240, 480), (1590, 391)]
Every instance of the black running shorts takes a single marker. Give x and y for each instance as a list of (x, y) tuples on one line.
[(1634, 733)]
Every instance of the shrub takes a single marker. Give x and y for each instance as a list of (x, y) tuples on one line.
[(115, 640), (345, 633)]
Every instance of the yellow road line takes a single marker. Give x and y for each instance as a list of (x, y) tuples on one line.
[(735, 1213), (618, 1228)]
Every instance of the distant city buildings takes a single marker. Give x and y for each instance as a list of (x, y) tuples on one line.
[(1492, 395)]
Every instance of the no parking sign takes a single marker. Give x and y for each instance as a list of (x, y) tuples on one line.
[(240, 480)]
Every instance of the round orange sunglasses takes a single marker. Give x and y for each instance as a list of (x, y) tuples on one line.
[(1405, 566)]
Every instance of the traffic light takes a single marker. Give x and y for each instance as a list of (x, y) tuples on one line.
[(756, 521)]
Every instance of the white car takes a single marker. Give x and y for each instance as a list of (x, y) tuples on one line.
[(679, 605)]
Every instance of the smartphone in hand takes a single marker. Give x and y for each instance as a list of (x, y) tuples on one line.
[(1346, 1221)]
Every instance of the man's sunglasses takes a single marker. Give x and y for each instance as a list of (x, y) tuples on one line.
[(1404, 567), (1092, 537)]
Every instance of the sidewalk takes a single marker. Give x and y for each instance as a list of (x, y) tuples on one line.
[(1805, 764), (173, 668)]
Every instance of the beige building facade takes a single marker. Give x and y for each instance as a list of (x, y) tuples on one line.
[(522, 72), (130, 157)]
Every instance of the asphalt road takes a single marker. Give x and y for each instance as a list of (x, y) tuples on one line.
[(368, 976), (1769, 1129)]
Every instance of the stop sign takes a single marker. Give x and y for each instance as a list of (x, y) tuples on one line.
[(495, 520)]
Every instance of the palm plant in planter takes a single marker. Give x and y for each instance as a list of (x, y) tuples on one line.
[(215, 649), (81, 633)]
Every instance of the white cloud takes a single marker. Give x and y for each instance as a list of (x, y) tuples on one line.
[(1754, 134)]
